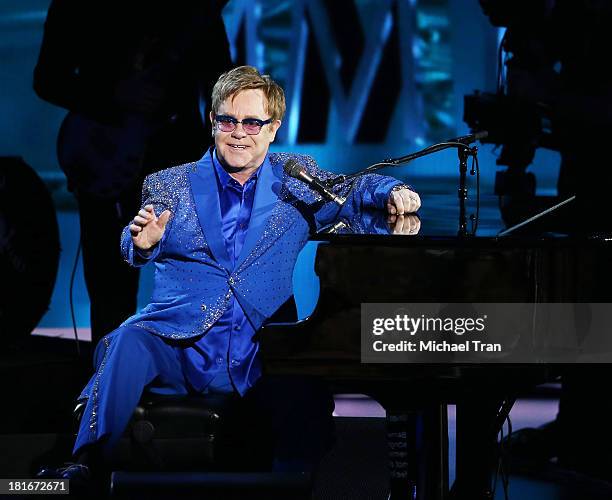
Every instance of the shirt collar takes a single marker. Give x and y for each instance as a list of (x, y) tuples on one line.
[(226, 180)]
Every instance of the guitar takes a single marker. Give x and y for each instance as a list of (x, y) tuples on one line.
[(102, 160)]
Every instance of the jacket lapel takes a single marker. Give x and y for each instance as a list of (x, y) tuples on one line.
[(267, 194), (206, 197)]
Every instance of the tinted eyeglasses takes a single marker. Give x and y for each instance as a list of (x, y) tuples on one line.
[(251, 126)]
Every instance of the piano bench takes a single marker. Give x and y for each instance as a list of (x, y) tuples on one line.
[(180, 433)]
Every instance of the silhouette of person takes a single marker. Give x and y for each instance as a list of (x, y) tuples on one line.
[(570, 41), (134, 76)]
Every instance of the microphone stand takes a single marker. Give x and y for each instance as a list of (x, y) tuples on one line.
[(464, 151), (462, 192)]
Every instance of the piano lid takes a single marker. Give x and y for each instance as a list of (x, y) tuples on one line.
[(440, 218)]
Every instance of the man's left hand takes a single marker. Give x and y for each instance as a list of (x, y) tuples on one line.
[(403, 201)]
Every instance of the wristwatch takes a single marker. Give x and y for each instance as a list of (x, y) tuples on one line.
[(399, 187)]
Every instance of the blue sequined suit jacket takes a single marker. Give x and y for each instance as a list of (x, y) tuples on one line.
[(193, 276)]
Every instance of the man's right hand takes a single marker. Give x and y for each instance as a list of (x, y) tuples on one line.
[(147, 229)]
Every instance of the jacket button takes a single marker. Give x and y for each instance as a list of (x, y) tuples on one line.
[(203, 307)]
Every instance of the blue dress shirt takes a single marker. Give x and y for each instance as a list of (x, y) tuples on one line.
[(209, 356)]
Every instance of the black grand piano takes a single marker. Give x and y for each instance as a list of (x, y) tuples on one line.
[(449, 260)]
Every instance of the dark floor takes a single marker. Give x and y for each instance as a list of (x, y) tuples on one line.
[(356, 467), (363, 440)]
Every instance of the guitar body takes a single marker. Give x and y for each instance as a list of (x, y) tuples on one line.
[(102, 160)]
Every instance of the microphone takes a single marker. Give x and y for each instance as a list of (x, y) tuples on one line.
[(293, 169), (469, 139)]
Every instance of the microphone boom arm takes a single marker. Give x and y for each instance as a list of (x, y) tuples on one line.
[(402, 160)]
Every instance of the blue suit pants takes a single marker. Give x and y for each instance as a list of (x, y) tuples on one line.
[(292, 415)]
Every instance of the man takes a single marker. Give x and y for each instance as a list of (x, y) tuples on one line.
[(563, 44), (224, 234)]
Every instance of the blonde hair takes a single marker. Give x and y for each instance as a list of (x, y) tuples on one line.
[(244, 78)]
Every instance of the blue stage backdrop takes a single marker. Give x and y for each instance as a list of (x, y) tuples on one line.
[(365, 80)]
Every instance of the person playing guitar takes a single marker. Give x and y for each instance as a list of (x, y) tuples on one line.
[(133, 76)]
